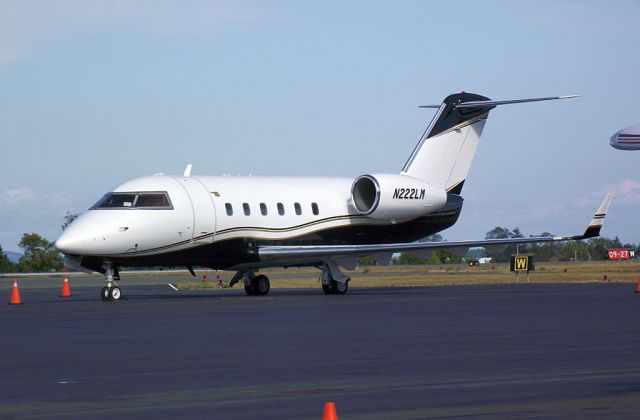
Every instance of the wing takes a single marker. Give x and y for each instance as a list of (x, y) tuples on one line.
[(347, 255)]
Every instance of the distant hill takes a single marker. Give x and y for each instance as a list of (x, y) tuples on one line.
[(14, 257)]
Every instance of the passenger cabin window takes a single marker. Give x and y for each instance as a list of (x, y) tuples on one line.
[(263, 209), (280, 209), (229, 209), (137, 200), (246, 208), (297, 208), (314, 209)]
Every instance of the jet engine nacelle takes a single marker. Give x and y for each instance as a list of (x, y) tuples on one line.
[(395, 197)]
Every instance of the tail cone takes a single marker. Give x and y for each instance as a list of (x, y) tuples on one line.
[(15, 294)]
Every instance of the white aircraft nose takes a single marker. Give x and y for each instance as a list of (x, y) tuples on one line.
[(96, 233), (80, 236), (68, 244)]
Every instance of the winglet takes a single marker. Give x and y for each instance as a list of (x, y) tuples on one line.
[(597, 221), (187, 171)]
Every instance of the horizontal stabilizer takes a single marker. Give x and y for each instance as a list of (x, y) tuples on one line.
[(476, 104), (491, 104)]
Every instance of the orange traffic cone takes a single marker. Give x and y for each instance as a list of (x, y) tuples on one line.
[(15, 294), (637, 287), (330, 411), (66, 290)]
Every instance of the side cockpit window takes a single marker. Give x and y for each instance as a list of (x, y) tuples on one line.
[(135, 200), (152, 200), (116, 200)]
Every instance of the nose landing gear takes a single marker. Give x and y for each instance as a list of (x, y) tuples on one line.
[(111, 291)]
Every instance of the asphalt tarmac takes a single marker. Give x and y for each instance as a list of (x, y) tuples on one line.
[(527, 350)]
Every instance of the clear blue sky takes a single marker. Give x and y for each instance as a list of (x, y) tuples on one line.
[(94, 93)]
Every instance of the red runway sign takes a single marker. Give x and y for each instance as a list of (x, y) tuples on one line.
[(621, 254)]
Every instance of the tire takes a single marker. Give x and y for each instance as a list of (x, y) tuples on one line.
[(105, 294), (261, 285), (338, 288), (327, 289), (248, 289), (116, 293)]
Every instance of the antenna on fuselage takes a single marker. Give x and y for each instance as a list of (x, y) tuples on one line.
[(187, 171)]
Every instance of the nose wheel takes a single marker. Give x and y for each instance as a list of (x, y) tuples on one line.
[(111, 291)]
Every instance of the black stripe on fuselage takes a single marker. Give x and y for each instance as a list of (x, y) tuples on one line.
[(250, 229)]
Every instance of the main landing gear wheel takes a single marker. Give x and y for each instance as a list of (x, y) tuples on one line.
[(259, 285), (335, 288), (339, 288)]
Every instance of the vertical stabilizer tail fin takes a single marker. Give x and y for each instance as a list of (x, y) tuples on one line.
[(444, 154), (445, 151)]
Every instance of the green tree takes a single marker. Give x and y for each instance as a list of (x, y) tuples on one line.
[(503, 253), (569, 251), (6, 266), (498, 232), (436, 237), (366, 260), (598, 247), (38, 254), (443, 257), (408, 259), (544, 251)]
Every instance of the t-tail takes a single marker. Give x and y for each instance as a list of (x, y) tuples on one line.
[(443, 155)]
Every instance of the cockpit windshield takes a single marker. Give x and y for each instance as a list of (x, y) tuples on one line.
[(136, 200)]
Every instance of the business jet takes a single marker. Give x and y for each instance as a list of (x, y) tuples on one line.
[(246, 224), (627, 138)]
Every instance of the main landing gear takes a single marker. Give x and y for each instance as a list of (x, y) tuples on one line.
[(333, 281), (258, 285), (253, 285), (111, 291)]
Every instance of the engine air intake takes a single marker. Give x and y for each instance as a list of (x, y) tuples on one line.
[(366, 194)]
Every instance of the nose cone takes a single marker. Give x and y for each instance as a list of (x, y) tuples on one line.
[(77, 237), (69, 244), (613, 141), (93, 233)]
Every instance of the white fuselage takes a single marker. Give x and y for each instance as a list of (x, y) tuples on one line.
[(217, 210), (200, 215)]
